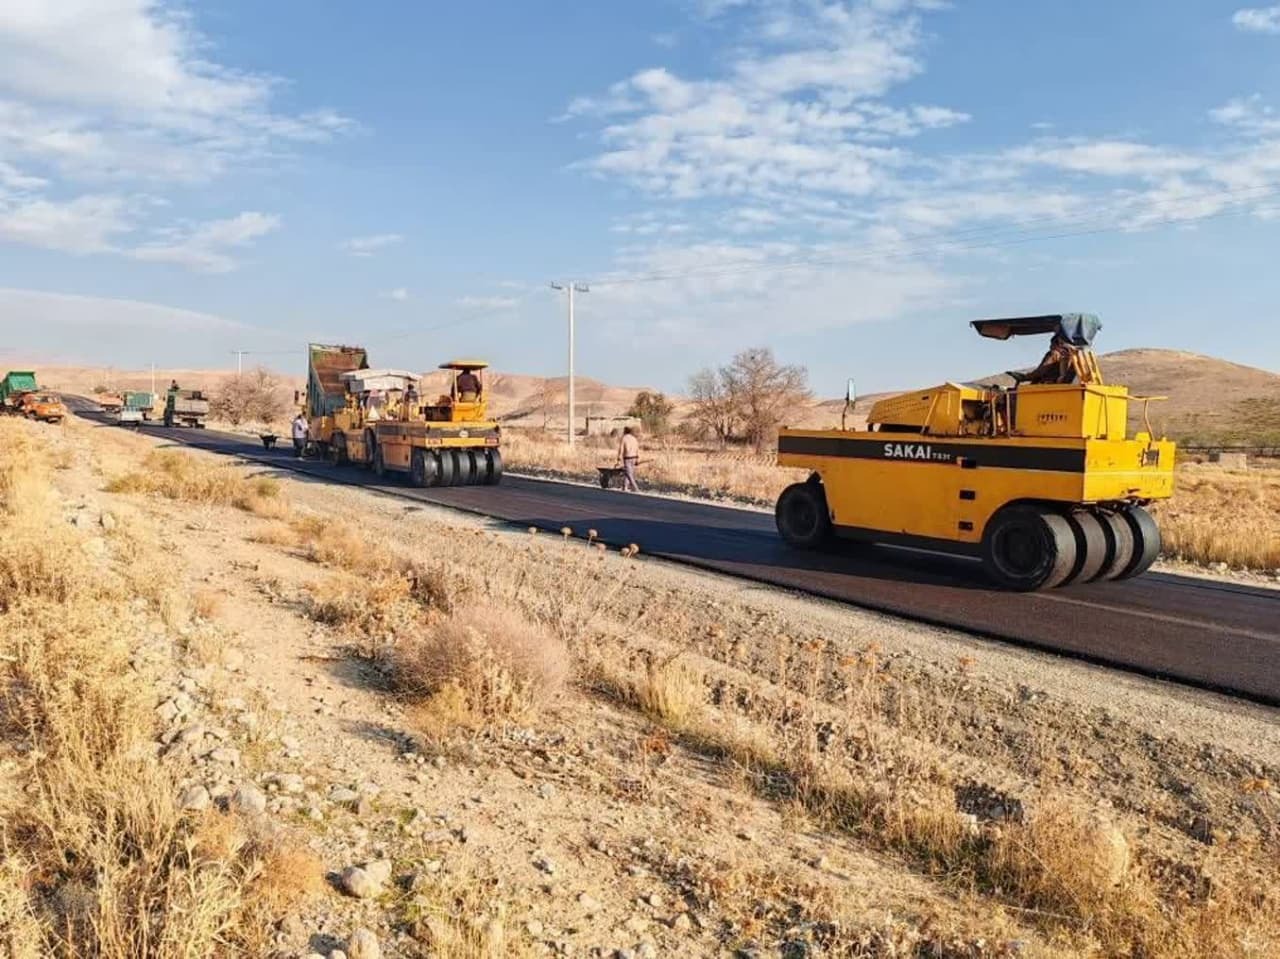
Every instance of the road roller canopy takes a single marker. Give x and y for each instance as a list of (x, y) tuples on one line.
[(366, 381), (1077, 328), (462, 365)]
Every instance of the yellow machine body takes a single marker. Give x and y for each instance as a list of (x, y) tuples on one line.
[(445, 441)]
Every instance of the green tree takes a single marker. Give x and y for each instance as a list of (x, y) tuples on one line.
[(653, 410)]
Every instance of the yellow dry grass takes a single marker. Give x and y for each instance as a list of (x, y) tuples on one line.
[(98, 858), (181, 476), (734, 474), (1223, 516), (1070, 869)]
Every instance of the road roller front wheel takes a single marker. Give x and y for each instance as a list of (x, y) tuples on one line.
[(802, 517)]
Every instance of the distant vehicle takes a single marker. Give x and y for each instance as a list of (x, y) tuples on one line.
[(15, 385), (110, 402), (135, 408), (185, 408), (44, 406)]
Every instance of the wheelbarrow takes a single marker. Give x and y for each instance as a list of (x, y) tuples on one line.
[(611, 476)]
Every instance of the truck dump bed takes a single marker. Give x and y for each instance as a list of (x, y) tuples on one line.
[(326, 391), (14, 384)]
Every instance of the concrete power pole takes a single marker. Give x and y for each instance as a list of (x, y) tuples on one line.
[(240, 355), (571, 288)]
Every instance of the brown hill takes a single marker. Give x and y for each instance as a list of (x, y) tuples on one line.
[(1208, 399)]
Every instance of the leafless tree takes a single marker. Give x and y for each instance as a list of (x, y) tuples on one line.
[(762, 391), (713, 411), (257, 396)]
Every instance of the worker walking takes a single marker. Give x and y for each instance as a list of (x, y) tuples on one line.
[(300, 430), (628, 457)]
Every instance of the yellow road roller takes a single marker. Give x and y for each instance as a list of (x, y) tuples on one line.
[(1040, 480), (379, 419)]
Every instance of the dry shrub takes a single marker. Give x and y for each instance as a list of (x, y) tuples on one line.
[(206, 603), (181, 476), (673, 693), (481, 666)]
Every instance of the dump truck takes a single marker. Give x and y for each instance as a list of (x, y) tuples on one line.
[(109, 402), (135, 408), (185, 408), (42, 405), (1040, 481), (15, 385), (377, 418)]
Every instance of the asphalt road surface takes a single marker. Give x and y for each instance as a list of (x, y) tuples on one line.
[(1215, 635)]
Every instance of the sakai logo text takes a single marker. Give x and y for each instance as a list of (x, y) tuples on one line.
[(912, 451)]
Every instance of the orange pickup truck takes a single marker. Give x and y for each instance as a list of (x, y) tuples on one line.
[(43, 406)]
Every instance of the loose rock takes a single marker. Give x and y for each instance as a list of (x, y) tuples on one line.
[(363, 944)]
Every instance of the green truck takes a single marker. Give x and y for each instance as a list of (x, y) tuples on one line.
[(135, 408), (14, 386)]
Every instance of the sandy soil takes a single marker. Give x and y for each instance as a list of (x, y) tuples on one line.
[(594, 831)]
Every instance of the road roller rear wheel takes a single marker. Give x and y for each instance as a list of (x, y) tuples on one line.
[(1119, 545), (418, 469), (493, 466), (468, 475), (379, 465), (1029, 547), (1091, 546), (340, 457), (802, 517), (1146, 541), (446, 467)]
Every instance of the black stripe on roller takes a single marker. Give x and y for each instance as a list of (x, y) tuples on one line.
[(906, 448)]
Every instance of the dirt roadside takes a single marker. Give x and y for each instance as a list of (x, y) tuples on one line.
[(594, 831)]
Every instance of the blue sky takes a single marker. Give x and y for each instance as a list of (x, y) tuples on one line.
[(847, 182)]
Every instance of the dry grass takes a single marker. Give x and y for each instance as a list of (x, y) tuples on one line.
[(481, 666), (1224, 516), (712, 473), (183, 477), (98, 859), (1069, 868)]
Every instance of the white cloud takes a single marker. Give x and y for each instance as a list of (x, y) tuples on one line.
[(206, 247), (128, 93), (399, 294), (1249, 115), (43, 308), (1116, 158), (87, 224), (369, 245), (1258, 19)]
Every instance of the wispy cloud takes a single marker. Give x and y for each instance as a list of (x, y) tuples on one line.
[(108, 107), (1258, 19), (106, 313), (399, 294), (369, 245), (206, 247)]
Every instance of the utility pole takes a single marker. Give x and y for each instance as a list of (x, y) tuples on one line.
[(240, 355), (571, 288), (153, 379)]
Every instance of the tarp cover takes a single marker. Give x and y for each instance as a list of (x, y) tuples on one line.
[(1078, 328), (364, 381)]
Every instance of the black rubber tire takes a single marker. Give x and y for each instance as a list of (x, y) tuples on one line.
[(802, 517), (340, 455), (1091, 546), (493, 466), (1027, 548), (468, 474), (448, 468), (418, 470), (1119, 545), (370, 445), (1146, 541), (379, 465)]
